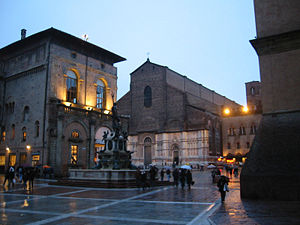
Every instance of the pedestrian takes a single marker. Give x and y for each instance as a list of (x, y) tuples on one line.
[(175, 176), (20, 173), (138, 177), (162, 174), (182, 178), (236, 171), (25, 178), (144, 179), (168, 172), (11, 176), (213, 175), (6, 176), (223, 186), (189, 179)]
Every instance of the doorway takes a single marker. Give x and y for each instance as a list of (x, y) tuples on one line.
[(147, 151), (175, 155)]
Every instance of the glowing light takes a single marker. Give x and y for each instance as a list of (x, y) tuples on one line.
[(245, 109), (106, 111), (67, 104), (28, 147), (89, 108), (7, 149), (227, 111)]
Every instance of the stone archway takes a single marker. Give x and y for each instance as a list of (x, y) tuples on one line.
[(147, 151)]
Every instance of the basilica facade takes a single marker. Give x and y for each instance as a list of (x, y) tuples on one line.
[(56, 92), (173, 120)]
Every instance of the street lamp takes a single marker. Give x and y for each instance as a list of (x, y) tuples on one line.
[(28, 147)]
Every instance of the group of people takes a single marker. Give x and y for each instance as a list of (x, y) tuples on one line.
[(147, 178), (20, 175)]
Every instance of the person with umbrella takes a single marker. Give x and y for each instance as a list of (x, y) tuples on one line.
[(189, 178), (223, 186)]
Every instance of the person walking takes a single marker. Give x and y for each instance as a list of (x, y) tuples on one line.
[(162, 174), (11, 176), (189, 179), (175, 176), (6, 176), (223, 186), (182, 178), (168, 172)]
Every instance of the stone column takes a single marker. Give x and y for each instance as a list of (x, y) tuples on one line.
[(92, 140), (58, 155)]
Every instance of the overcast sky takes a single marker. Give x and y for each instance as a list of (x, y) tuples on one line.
[(205, 40)]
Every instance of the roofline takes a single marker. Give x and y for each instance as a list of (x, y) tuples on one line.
[(67, 39)]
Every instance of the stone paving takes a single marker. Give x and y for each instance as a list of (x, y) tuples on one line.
[(47, 204)]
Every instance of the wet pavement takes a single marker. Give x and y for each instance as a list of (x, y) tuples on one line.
[(48, 204)]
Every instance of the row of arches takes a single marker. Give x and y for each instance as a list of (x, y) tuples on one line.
[(241, 130), (72, 89)]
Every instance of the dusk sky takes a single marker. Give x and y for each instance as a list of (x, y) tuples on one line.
[(207, 41)]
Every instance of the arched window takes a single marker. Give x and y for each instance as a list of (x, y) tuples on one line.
[(71, 85), (37, 128), (253, 129), (101, 95), (26, 113), (242, 130), (24, 134), (13, 131), (252, 91), (75, 134), (147, 97)]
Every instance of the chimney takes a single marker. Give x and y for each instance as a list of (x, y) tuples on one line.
[(23, 34)]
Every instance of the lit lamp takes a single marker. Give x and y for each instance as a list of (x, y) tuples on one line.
[(226, 111), (67, 104), (28, 147), (106, 111), (245, 109), (7, 149)]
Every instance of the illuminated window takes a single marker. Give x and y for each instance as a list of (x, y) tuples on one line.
[(13, 131), (3, 135), (37, 128), (24, 134), (75, 134), (2, 160), (26, 113), (74, 154), (147, 97), (71, 85), (101, 95), (12, 159)]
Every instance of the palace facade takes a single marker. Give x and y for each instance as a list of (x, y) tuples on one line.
[(56, 91)]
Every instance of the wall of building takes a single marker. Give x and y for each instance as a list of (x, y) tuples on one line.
[(276, 16), (192, 146)]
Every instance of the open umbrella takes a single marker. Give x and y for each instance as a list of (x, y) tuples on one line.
[(211, 166), (187, 167)]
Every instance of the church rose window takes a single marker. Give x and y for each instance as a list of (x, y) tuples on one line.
[(147, 97), (71, 84), (101, 95)]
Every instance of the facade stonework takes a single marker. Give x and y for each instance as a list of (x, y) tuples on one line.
[(50, 100), (172, 118)]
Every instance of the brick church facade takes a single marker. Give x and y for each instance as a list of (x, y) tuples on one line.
[(173, 120)]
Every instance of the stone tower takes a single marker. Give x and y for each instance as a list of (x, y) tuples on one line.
[(272, 168)]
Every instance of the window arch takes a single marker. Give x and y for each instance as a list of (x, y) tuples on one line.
[(26, 113), (242, 130), (253, 129), (147, 141), (37, 128), (101, 94), (252, 91), (24, 134), (147, 97), (71, 86)]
